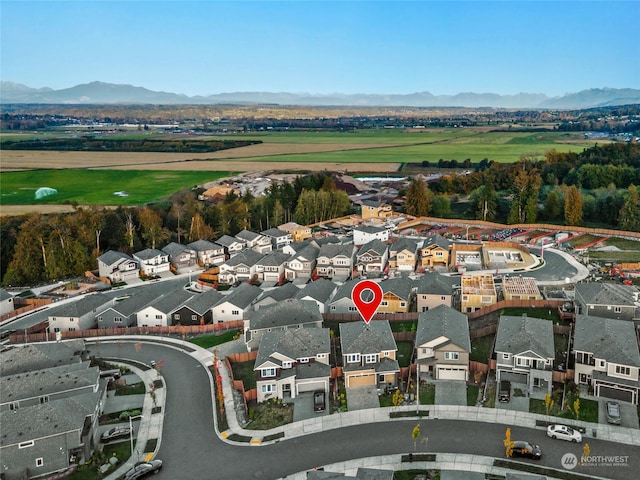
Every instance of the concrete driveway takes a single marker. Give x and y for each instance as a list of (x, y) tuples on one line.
[(360, 398), (517, 403), (628, 413), (451, 392), (303, 407)]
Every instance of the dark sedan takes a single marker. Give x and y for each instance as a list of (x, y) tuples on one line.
[(526, 449)]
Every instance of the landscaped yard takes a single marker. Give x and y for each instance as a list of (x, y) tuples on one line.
[(405, 351), (428, 394), (472, 395), (588, 410), (269, 414), (560, 346), (481, 349), (244, 371), (208, 341)]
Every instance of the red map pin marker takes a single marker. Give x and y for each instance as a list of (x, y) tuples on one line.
[(367, 309)]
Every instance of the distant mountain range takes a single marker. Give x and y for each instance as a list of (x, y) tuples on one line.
[(109, 93)]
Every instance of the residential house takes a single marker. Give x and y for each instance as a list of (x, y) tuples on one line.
[(158, 312), (240, 268), (341, 301), (365, 233), (24, 358), (302, 264), (335, 261), (181, 256), (443, 344), (298, 232), (152, 261), (288, 314), (208, 253), (319, 291), (607, 357), (232, 245), (256, 241), (403, 255), (433, 289), (477, 291), (122, 311), (368, 354), (525, 352), (397, 295), (608, 300), (372, 257), (520, 288), (197, 310), (375, 209), (270, 268), (276, 295), (6, 302), (236, 304), (291, 362), (278, 238), (118, 267), (78, 315), (435, 252)]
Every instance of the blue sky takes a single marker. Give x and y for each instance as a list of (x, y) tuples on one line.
[(205, 47)]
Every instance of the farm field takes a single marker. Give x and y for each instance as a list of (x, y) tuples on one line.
[(98, 186)]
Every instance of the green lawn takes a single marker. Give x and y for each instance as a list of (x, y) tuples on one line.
[(405, 350), (428, 394), (208, 341), (244, 371), (588, 410), (97, 187), (481, 349), (560, 347), (472, 395), (545, 313)]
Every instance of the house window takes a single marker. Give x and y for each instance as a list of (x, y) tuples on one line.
[(384, 303), (286, 364), (465, 298), (451, 356), (39, 462), (353, 358), (602, 363), (235, 312), (72, 319), (194, 318), (268, 372), (321, 355), (304, 360), (522, 362), (117, 319), (617, 309), (268, 388), (424, 297), (56, 329), (176, 316), (100, 319), (623, 370), (333, 307), (44, 399), (72, 329), (371, 358), (14, 405), (505, 356), (26, 444), (351, 309), (443, 298), (403, 304)]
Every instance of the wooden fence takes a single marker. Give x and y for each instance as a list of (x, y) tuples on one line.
[(355, 317), (24, 306), (238, 385), (548, 303)]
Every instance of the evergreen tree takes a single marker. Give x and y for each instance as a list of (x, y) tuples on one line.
[(418, 201), (572, 206), (629, 218)]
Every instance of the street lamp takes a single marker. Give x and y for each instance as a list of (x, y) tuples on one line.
[(131, 431)]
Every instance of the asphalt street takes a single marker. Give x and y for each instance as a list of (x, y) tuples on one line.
[(191, 449)]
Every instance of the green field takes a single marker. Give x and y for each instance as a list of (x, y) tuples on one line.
[(98, 186)]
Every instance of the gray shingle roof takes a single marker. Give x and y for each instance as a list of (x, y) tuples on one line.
[(404, 244), (203, 246), (149, 253), (227, 240), (519, 334), (247, 235), (438, 240), (275, 233), (596, 293), (284, 292), (362, 338), (377, 246), (242, 295), (173, 249), (32, 356), (4, 295), (83, 306), (308, 252), (443, 321), (401, 286), (38, 383), (293, 343), (112, 257), (328, 240), (132, 304), (246, 257), (319, 290), (274, 259), (288, 312), (331, 250), (369, 229), (204, 301), (432, 283), (344, 291), (613, 340), (172, 300)]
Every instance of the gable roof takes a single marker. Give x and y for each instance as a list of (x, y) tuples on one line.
[(401, 286), (275, 232), (171, 301), (613, 340), (32, 356), (111, 257), (344, 291), (376, 245), (149, 253), (247, 235), (172, 249), (4, 295), (308, 252), (227, 240), (204, 301), (432, 283), (328, 240), (246, 257), (133, 303), (241, 296), (443, 321), (285, 313), (319, 290), (404, 243), (83, 306), (274, 259), (332, 250), (371, 229), (436, 240), (284, 292), (359, 337), (203, 246), (293, 343), (517, 334), (38, 383), (597, 293)]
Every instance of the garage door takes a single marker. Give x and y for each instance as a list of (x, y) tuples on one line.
[(311, 387), (513, 377), (361, 381), (609, 392), (452, 374)]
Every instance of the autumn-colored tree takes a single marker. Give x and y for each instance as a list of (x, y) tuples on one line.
[(572, 206), (418, 201), (508, 443), (525, 188), (397, 398), (415, 434), (152, 230)]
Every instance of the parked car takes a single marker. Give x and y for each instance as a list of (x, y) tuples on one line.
[(563, 432), (142, 469), (526, 449), (613, 413), (116, 432), (319, 402), (153, 364), (504, 392)]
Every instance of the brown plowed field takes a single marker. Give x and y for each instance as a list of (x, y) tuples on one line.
[(13, 160)]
